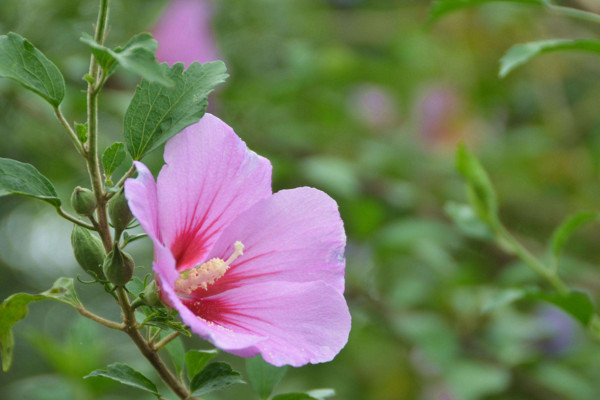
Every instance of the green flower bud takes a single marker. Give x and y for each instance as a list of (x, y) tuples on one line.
[(150, 295), (83, 201), (118, 266), (88, 251), (119, 212)]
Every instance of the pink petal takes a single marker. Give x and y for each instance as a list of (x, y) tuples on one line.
[(143, 201), (164, 266), (184, 33), (209, 178), (303, 322), (295, 236)]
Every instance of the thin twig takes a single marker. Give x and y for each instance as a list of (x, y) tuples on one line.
[(121, 181), (147, 350), (167, 339), (74, 220), (70, 131), (108, 323)]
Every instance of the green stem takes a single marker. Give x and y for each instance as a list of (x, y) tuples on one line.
[(573, 13), (147, 350), (548, 273), (130, 325), (520, 251), (100, 320), (73, 219), (93, 163), (166, 340)]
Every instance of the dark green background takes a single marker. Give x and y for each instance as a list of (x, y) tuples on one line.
[(302, 74)]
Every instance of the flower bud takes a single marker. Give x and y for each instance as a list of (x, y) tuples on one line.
[(150, 296), (119, 212), (118, 266), (83, 201), (88, 251)]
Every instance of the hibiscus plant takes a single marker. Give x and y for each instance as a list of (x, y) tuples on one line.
[(257, 274)]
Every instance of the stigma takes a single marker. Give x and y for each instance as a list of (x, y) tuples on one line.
[(207, 273)]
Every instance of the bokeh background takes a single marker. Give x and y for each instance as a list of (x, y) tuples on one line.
[(364, 100)]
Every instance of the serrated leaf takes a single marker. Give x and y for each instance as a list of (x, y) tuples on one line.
[(126, 375), (440, 8), (113, 157), (567, 228), (23, 63), (466, 220), (136, 56), (15, 308), (263, 376), (24, 180), (479, 187), (575, 303), (160, 318), (156, 113), (522, 53), (196, 360), (215, 376), (294, 396)]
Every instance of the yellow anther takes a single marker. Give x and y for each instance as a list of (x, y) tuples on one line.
[(207, 273)]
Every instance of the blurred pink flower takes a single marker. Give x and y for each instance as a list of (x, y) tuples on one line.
[(184, 33), (250, 271), (373, 105)]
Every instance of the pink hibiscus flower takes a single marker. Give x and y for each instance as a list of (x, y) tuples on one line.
[(184, 33), (248, 270)]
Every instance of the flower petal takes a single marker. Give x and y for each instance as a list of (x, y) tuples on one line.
[(226, 339), (295, 235), (184, 33), (209, 178), (143, 201), (303, 322)]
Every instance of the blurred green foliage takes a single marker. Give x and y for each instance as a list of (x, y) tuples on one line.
[(358, 98)]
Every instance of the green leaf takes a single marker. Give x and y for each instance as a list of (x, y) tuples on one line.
[(12, 310), (443, 7), (479, 187), (567, 228), (263, 376), (466, 220), (157, 113), (575, 303), (294, 396), (321, 394), (137, 56), (161, 318), (176, 351), (24, 180), (196, 360), (82, 131), (522, 53), (63, 290), (113, 157), (126, 375), (215, 376), (23, 63), (135, 286), (15, 308)]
